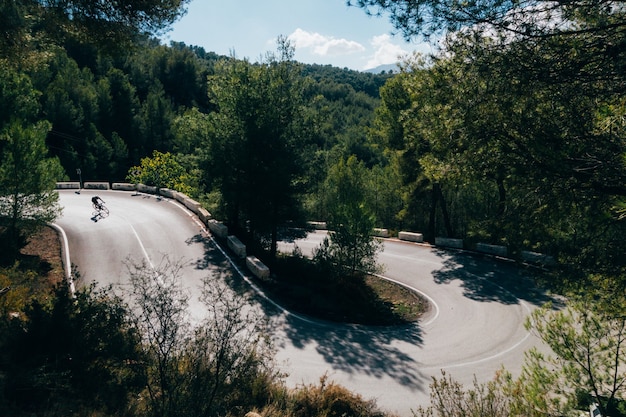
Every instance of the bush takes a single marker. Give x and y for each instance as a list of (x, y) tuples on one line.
[(326, 399)]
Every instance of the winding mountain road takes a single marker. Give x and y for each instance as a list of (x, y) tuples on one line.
[(474, 327)]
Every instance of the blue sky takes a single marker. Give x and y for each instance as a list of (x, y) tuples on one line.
[(323, 31)]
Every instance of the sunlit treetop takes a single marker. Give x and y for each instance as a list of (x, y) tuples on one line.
[(526, 18), (32, 25)]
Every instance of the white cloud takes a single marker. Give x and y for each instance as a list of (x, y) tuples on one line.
[(385, 52), (322, 45)]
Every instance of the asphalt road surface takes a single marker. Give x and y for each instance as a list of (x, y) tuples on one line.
[(473, 328)]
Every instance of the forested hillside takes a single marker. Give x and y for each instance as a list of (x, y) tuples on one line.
[(108, 112), (469, 156), (513, 134)]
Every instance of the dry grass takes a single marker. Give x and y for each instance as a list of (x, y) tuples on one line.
[(33, 275), (43, 255)]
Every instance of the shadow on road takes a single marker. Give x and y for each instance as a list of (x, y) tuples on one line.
[(362, 350), (215, 260), (355, 350), (487, 279)]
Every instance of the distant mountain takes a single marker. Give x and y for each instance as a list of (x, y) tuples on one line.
[(386, 68)]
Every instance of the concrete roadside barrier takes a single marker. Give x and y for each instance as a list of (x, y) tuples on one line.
[(497, 250), (537, 258), (67, 185), (257, 267), (381, 232), (236, 246), (192, 205), (96, 185), (123, 186), (219, 229), (150, 189), (204, 215), (318, 225), (449, 242), (180, 197), (411, 236), (166, 192)]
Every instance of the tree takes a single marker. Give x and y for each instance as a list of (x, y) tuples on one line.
[(255, 156), (33, 23), (529, 21), (350, 245), (587, 366), (229, 362), (221, 362), (588, 346), (507, 148), (160, 314), (18, 97), (27, 182), (162, 170), (404, 125)]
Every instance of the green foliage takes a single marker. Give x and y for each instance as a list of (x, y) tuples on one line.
[(450, 399), (18, 98), (162, 170), (256, 155), (71, 355), (588, 347), (350, 245), (88, 353), (220, 365), (482, 148), (27, 182), (29, 25)]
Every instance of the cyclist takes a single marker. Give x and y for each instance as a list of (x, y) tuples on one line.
[(97, 202)]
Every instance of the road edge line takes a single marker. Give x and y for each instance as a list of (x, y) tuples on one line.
[(65, 256)]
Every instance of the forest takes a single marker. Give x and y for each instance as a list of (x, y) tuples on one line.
[(514, 134)]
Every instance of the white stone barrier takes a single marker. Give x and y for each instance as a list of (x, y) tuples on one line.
[(217, 228), (537, 258), (318, 225), (411, 236), (204, 215), (96, 185), (449, 242), (67, 185), (123, 186), (169, 193), (192, 205), (150, 189), (381, 232), (257, 267), (236, 246), (497, 250), (180, 197)]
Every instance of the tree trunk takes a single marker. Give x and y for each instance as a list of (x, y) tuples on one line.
[(433, 212), (446, 216), (501, 197)]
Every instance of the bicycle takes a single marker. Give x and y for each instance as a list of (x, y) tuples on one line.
[(101, 211)]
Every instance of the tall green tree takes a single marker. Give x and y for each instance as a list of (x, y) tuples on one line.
[(350, 246), (18, 98), (27, 182), (256, 155)]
